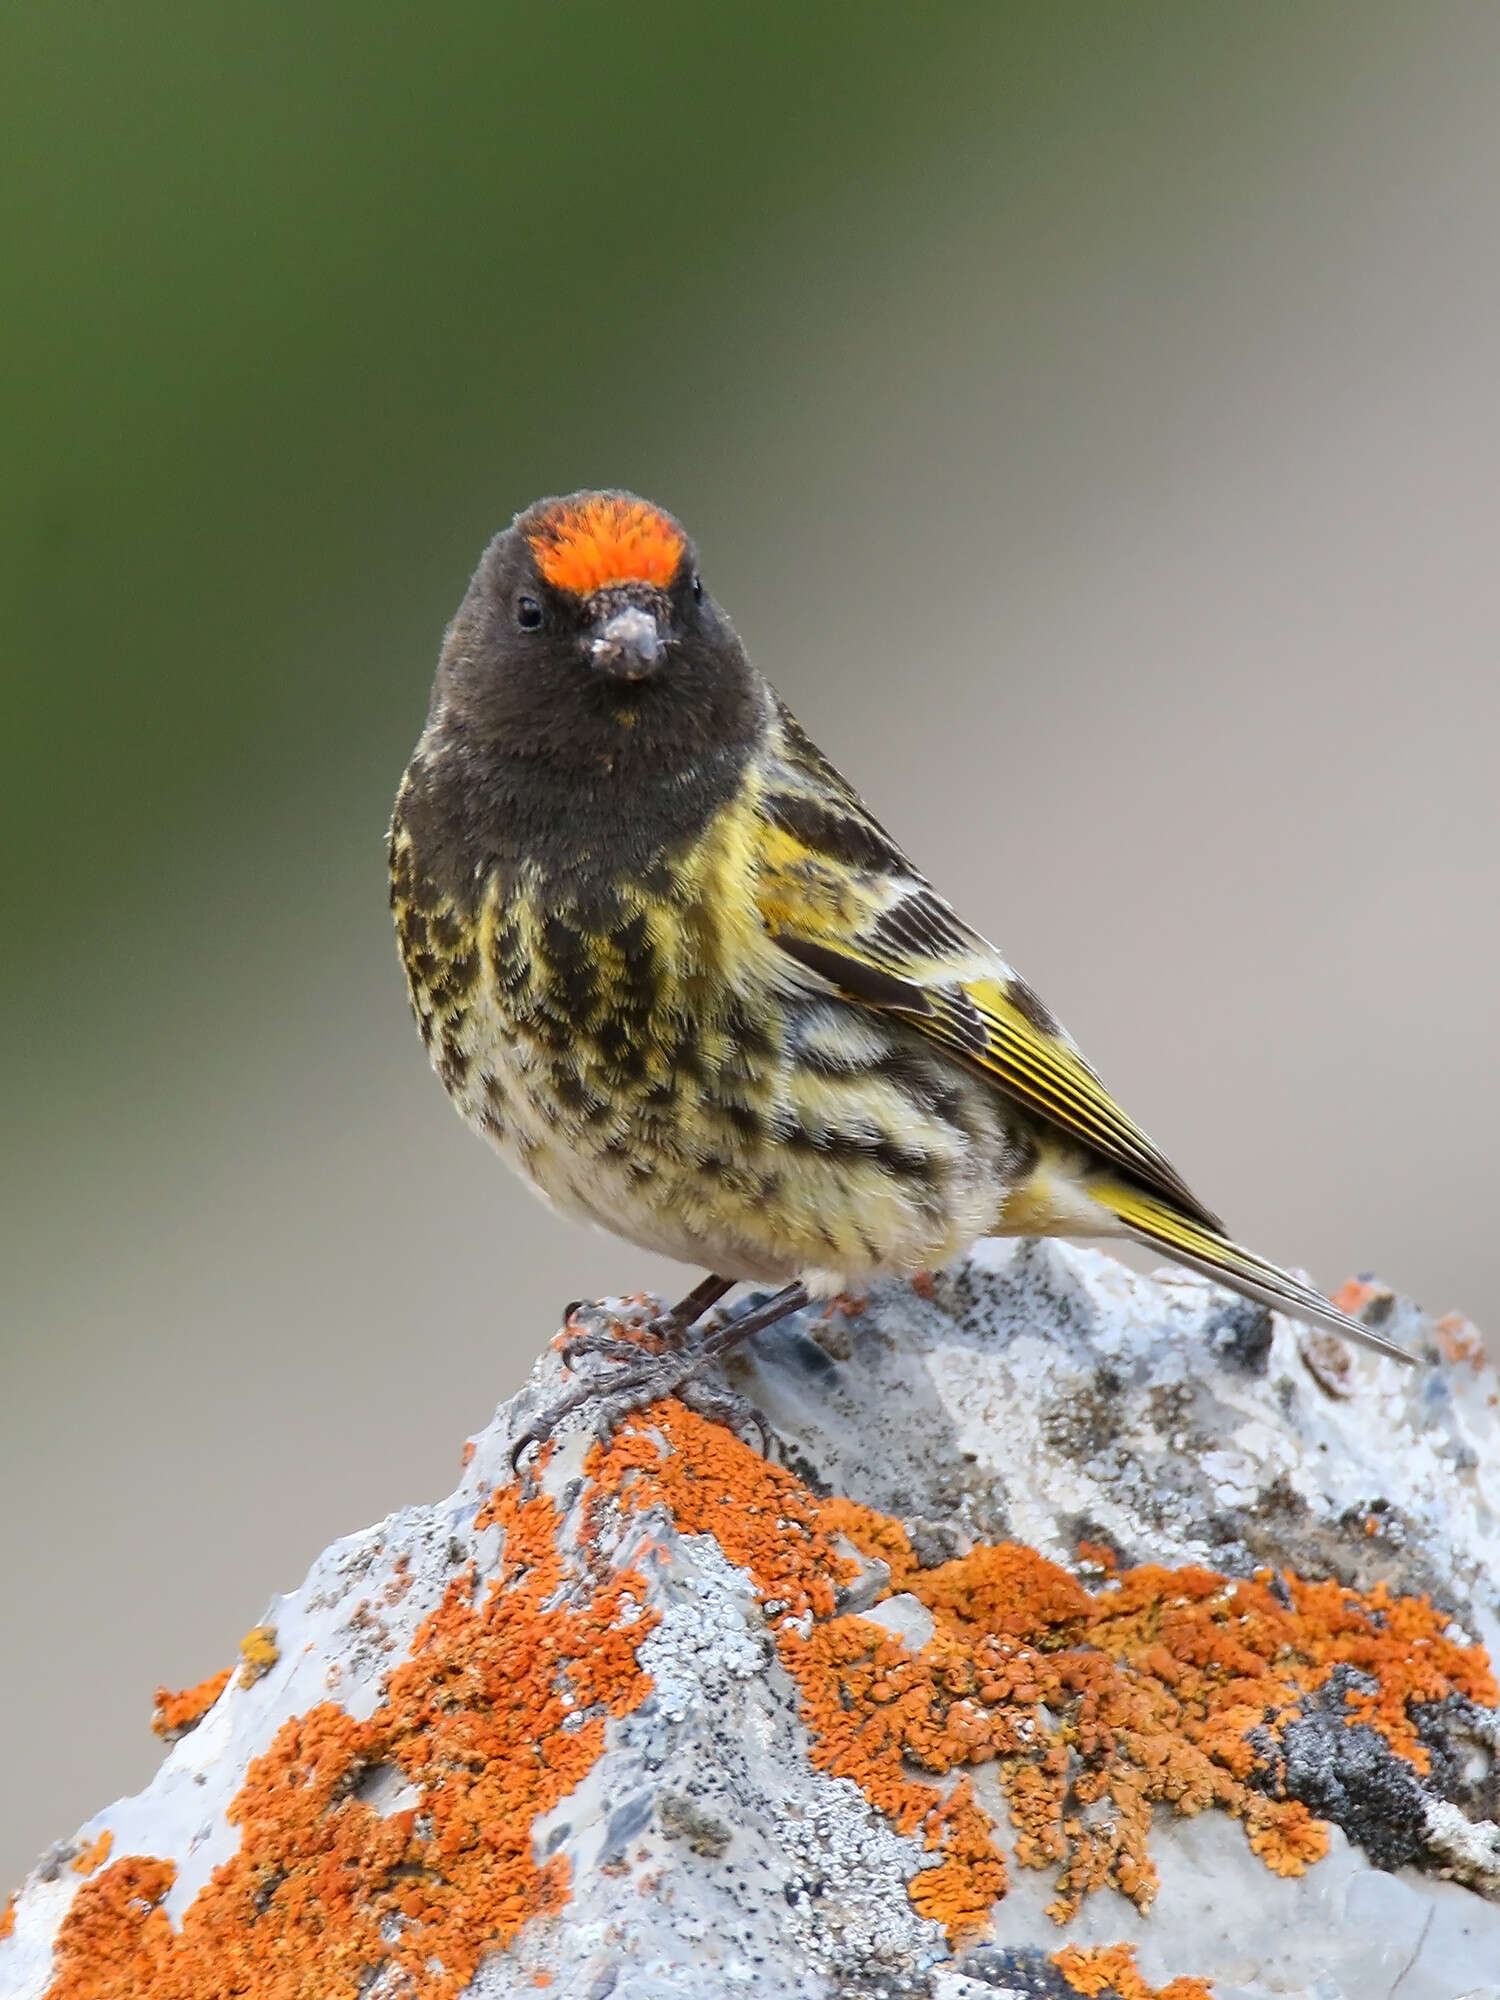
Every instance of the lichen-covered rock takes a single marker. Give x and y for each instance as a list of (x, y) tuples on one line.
[(1086, 1634)]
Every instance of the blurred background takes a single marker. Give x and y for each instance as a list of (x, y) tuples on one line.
[(1091, 417)]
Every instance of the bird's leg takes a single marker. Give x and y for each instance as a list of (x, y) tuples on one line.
[(791, 1298), (647, 1378), (665, 1330), (669, 1327)]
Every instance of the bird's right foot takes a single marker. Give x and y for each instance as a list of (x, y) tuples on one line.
[(658, 1361)]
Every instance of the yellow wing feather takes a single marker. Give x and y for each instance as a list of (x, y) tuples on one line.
[(838, 895), (1216, 1256)]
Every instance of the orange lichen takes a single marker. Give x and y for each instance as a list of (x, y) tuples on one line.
[(498, 1712), (1095, 1707), (606, 538), (176, 1714), (1354, 1295), (1098, 1555), (259, 1652), (1111, 1968), (1460, 1340), (94, 1855), (1161, 1688)]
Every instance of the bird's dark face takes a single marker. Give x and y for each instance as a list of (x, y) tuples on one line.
[(587, 641), (591, 698)]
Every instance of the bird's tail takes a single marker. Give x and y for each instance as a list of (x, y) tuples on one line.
[(1202, 1249)]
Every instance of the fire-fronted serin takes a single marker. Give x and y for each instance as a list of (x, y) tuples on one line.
[(667, 961)]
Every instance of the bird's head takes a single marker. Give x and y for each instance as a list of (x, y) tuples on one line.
[(587, 637)]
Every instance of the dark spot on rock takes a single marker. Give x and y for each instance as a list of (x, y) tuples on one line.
[(1240, 1332), (933, 1543), (1021, 1972), (1351, 1776), (1085, 1528), (790, 1345), (683, 1818), (625, 1822), (265, 1889)]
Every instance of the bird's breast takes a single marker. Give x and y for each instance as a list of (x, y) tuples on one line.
[(605, 993), (643, 1054)]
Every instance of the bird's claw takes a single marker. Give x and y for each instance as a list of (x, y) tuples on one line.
[(727, 1407), (661, 1361), (599, 1345), (651, 1379), (617, 1339)]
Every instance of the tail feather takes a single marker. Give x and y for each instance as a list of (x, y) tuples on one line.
[(1201, 1249)]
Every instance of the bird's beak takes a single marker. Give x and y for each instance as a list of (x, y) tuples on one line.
[(629, 645)]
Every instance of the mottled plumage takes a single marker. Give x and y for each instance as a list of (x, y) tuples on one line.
[(666, 960)]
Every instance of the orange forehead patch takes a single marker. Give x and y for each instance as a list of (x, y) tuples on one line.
[(585, 545)]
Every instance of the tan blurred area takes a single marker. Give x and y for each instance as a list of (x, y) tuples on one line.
[(1090, 419)]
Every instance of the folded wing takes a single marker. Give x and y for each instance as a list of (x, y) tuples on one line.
[(838, 895)]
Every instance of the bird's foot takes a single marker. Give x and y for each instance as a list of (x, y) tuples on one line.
[(725, 1406), (591, 1333), (646, 1377)]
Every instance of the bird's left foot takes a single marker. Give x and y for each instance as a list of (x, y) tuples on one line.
[(590, 1330), (669, 1366)]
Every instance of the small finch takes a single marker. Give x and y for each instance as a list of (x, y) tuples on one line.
[(667, 961)]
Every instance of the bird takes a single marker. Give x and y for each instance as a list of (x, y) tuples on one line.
[(671, 966)]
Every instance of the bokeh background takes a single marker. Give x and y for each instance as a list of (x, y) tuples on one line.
[(1090, 415)]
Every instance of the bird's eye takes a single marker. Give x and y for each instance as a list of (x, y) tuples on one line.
[(697, 590), (528, 614)]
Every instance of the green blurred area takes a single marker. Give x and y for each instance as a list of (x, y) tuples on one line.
[(299, 302), (1085, 412)]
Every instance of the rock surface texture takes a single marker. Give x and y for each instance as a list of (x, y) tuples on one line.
[(1085, 1634)]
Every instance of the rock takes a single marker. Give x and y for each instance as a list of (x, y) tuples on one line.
[(1093, 1635)]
